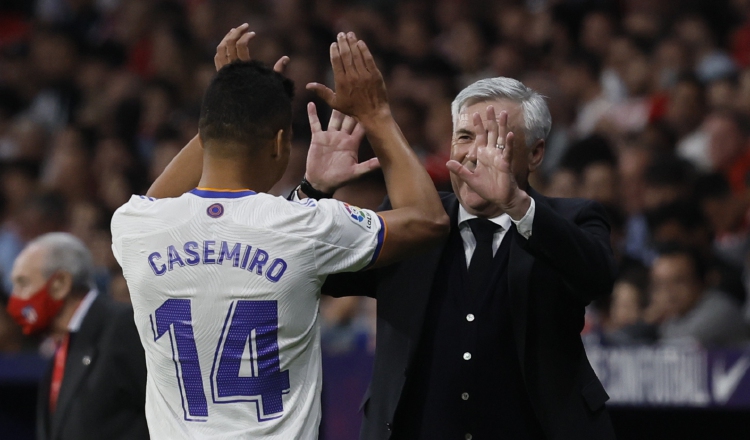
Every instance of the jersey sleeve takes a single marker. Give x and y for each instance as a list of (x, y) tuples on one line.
[(348, 238)]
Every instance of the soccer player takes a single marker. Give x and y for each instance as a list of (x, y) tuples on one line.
[(225, 279)]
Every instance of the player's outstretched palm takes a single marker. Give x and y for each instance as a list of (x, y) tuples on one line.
[(236, 46), (333, 160), (492, 177), (360, 89)]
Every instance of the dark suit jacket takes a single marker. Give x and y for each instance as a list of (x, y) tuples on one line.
[(553, 275), (103, 392)]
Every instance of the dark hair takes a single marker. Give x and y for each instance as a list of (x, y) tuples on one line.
[(246, 104), (669, 171), (686, 213), (586, 61), (690, 78), (673, 249), (588, 151), (636, 275), (712, 186)]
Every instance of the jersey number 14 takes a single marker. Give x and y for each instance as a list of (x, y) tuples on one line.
[(250, 326)]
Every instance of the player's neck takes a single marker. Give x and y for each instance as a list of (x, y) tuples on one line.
[(233, 173)]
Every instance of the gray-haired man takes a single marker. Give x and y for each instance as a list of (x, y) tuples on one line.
[(96, 385), (480, 337)]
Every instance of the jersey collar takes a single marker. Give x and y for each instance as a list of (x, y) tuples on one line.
[(220, 193)]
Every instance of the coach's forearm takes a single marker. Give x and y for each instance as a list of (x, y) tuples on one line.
[(182, 174)]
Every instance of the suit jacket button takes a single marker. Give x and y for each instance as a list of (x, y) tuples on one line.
[(388, 425), (86, 360)]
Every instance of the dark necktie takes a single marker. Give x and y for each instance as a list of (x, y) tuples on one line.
[(480, 267)]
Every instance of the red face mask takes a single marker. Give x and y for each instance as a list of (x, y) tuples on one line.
[(35, 313)]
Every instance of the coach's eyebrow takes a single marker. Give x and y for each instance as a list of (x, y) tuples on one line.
[(461, 131)]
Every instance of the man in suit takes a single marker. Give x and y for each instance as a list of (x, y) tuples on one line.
[(95, 387), (480, 336)]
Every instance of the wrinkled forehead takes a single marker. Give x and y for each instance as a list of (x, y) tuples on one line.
[(465, 115), (30, 261)]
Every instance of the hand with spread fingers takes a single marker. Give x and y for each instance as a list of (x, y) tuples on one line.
[(235, 46), (360, 89), (492, 178), (332, 160)]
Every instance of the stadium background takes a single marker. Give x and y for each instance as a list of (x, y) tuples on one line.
[(651, 116)]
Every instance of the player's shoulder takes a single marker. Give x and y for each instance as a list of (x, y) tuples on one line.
[(142, 206), (306, 216), (138, 212)]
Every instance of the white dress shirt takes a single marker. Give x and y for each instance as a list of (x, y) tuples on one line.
[(504, 220), (75, 321)]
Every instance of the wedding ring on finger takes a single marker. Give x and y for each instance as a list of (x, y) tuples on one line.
[(499, 146)]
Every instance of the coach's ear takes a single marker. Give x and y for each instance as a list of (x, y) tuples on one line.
[(536, 154)]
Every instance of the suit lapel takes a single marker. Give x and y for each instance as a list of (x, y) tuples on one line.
[(519, 271), (80, 359), (422, 270), (519, 275)]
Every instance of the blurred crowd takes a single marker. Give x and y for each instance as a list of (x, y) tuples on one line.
[(650, 101)]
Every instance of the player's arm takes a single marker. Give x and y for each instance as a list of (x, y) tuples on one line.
[(184, 171), (418, 218)]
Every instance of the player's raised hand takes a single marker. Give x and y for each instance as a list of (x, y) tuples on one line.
[(332, 160), (236, 46), (359, 86), (492, 178)]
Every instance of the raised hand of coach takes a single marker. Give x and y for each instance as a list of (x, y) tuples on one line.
[(488, 170)]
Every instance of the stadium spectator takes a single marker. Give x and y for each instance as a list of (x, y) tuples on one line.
[(96, 385), (626, 318), (685, 310)]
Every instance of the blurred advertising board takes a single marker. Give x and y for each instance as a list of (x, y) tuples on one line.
[(668, 376)]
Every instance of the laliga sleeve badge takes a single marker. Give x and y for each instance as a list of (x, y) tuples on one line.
[(358, 216), (215, 211)]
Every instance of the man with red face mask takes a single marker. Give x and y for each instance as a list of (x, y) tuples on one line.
[(95, 386)]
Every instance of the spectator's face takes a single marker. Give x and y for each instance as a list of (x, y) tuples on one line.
[(464, 150), (465, 46), (596, 33), (726, 141), (658, 195), (724, 214), (413, 38), (637, 75), (630, 166), (721, 95), (573, 80), (599, 182), (163, 155), (53, 56), (685, 109), (625, 309), (673, 278), (670, 58), (563, 183)]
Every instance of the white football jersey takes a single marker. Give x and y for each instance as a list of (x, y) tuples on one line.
[(225, 287)]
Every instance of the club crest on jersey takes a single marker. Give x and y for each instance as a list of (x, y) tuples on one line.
[(358, 215), (29, 313), (215, 211)]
